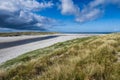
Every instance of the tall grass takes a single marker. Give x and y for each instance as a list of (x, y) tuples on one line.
[(93, 58)]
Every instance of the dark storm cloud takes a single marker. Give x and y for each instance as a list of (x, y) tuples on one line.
[(19, 14)]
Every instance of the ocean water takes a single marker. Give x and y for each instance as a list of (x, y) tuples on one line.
[(88, 32)]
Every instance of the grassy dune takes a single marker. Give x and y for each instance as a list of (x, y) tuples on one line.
[(92, 58), (25, 33)]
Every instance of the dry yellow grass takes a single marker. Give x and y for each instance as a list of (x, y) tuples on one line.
[(93, 58)]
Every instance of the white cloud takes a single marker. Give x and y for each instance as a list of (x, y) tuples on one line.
[(19, 14), (88, 15), (46, 5), (96, 3), (113, 1), (90, 11), (13, 5), (68, 7), (85, 14)]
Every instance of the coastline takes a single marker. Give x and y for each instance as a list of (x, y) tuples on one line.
[(14, 51)]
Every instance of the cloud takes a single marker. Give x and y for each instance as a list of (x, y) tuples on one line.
[(20, 14), (68, 7), (86, 14), (91, 11), (96, 3), (89, 15), (113, 1)]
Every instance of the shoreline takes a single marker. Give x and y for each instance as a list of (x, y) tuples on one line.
[(14, 51)]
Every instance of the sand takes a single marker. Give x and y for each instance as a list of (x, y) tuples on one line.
[(14, 51)]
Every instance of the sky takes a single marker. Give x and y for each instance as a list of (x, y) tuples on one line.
[(60, 15)]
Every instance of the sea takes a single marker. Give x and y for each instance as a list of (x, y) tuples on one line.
[(88, 32)]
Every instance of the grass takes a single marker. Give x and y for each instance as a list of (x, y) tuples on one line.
[(25, 33), (92, 58)]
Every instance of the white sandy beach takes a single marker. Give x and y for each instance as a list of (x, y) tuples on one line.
[(14, 51)]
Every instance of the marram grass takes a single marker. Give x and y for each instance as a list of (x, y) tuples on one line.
[(92, 58)]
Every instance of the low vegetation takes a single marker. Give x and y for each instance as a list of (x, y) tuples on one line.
[(25, 33), (92, 58)]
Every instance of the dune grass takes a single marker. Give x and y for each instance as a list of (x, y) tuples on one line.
[(25, 33), (92, 58)]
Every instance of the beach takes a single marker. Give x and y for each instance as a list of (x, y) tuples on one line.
[(11, 47)]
